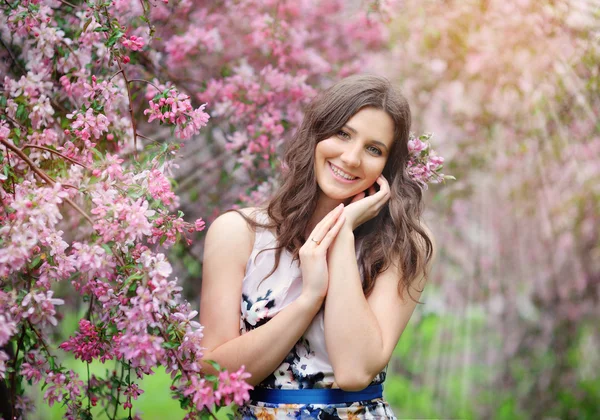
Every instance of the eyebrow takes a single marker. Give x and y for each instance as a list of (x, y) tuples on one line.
[(377, 142)]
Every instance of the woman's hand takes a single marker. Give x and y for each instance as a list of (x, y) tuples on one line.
[(362, 208), (313, 254)]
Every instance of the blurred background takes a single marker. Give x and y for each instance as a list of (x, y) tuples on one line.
[(510, 90)]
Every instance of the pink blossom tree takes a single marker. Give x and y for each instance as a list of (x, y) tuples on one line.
[(87, 188)]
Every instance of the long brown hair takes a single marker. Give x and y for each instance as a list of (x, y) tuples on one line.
[(390, 237)]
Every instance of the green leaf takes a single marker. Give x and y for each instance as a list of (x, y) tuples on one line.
[(107, 249), (214, 364), (21, 113), (86, 24)]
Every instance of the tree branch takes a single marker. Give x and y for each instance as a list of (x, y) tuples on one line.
[(56, 153), (44, 176)]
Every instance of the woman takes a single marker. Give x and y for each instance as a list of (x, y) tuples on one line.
[(329, 272)]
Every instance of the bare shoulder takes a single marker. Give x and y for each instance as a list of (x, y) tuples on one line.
[(231, 231)]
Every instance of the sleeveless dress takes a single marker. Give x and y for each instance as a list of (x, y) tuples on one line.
[(307, 365)]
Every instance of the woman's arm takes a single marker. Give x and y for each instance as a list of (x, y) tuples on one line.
[(361, 333), (228, 246)]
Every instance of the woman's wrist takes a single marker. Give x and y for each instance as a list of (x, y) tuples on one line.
[(310, 301), (347, 229)]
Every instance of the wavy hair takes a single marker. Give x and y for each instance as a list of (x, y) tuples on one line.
[(395, 235)]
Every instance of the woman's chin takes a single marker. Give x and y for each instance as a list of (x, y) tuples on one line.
[(338, 196)]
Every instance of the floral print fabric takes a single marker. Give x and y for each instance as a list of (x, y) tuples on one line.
[(307, 365)]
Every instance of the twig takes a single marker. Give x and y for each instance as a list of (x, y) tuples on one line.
[(119, 390), (56, 153), (45, 177), (41, 339), (117, 73), (67, 3), (14, 374), (130, 111), (14, 121), (145, 81), (147, 138), (12, 57), (73, 52), (88, 388)]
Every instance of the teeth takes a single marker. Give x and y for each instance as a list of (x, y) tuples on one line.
[(342, 174)]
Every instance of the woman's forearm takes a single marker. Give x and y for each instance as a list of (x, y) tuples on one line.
[(263, 349), (352, 334)]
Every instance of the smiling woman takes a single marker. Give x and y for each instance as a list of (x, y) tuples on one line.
[(351, 160), (328, 272)]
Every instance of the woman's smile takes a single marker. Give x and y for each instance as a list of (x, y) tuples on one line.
[(342, 175)]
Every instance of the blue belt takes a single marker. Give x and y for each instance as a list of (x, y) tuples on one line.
[(314, 395)]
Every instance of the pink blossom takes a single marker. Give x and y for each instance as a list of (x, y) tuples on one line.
[(233, 387), (34, 366), (39, 307), (3, 358), (88, 124), (8, 327), (199, 225), (141, 350), (160, 187), (201, 391), (87, 345), (134, 43), (416, 145)]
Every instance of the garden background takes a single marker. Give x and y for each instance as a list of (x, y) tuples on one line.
[(104, 207)]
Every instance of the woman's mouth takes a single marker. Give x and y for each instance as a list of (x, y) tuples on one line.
[(341, 175)]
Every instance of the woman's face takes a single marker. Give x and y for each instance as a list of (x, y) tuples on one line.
[(351, 160)]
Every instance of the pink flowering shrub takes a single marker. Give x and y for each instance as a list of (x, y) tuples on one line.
[(92, 96), (87, 206)]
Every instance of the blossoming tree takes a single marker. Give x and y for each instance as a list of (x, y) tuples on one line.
[(88, 199)]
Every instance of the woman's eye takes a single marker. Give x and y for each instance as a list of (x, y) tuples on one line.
[(374, 150), (343, 134)]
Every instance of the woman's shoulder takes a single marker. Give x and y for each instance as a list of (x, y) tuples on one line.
[(233, 227)]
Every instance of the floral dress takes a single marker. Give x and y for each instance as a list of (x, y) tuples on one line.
[(307, 365)]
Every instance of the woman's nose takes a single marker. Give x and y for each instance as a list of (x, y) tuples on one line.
[(351, 157)]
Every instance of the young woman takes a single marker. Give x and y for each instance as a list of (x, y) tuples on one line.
[(329, 272)]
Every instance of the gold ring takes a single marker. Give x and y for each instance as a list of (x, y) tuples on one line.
[(317, 242)]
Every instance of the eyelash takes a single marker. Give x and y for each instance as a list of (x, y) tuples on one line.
[(346, 136)]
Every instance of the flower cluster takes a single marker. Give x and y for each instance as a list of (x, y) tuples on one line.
[(87, 344), (175, 108), (424, 165)]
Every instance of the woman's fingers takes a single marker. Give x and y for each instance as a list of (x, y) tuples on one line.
[(319, 232), (330, 236), (384, 188), (358, 196)]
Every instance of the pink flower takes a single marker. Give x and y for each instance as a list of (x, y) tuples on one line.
[(201, 391), (3, 358), (7, 328), (199, 225), (134, 43), (233, 387), (34, 367), (160, 187), (416, 146), (39, 307), (87, 345)]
